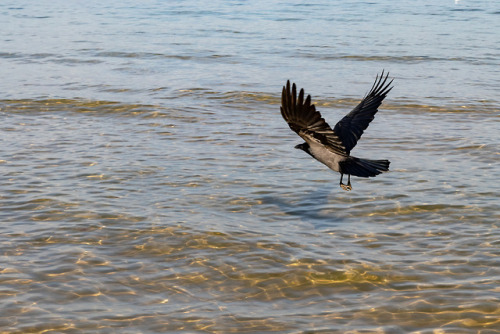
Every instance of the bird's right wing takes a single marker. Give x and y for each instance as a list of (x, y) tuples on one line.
[(306, 121), (351, 127)]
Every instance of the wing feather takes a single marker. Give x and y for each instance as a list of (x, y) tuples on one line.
[(351, 127), (306, 121)]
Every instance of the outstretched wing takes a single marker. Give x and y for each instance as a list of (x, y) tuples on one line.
[(351, 127), (303, 118)]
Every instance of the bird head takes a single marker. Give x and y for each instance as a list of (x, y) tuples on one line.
[(303, 147)]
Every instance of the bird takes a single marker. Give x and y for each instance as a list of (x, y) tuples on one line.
[(332, 147)]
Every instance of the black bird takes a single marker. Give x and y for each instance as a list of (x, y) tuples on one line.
[(332, 147)]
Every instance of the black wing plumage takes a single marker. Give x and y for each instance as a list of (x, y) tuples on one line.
[(351, 127), (306, 121)]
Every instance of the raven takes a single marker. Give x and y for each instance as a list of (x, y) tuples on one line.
[(332, 147)]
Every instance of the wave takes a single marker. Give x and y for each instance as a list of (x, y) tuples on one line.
[(201, 98), (411, 59)]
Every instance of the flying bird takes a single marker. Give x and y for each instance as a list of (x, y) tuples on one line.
[(332, 147)]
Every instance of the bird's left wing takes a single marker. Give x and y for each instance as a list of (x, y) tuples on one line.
[(306, 121), (351, 127)]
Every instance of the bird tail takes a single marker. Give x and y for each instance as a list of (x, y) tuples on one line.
[(364, 167)]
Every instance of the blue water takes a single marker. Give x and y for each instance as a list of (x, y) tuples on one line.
[(148, 51), (148, 183)]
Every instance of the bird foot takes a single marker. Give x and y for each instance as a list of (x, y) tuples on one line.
[(346, 187)]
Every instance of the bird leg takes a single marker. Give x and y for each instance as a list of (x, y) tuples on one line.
[(348, 186)]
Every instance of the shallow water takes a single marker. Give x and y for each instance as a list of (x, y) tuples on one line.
[(149, 184)]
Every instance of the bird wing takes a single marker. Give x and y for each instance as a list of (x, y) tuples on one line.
[(351, 127), (306, 121)]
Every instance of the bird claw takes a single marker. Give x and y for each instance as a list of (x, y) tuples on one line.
[(346, 187)]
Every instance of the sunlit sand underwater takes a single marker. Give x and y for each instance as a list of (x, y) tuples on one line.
[(150, 185)]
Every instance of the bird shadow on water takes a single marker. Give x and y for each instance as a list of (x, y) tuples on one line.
[(312, 207)]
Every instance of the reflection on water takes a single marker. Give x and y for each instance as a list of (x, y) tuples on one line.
[(134, 216), (149, 184)]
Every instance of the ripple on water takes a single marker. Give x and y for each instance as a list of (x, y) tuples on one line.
[(164, 219)]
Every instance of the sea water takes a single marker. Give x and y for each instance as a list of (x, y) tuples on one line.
[(148, 183)]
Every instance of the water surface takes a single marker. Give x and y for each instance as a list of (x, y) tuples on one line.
[(149, 184)]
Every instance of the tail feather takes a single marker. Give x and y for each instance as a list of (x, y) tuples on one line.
[(364, 167)]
